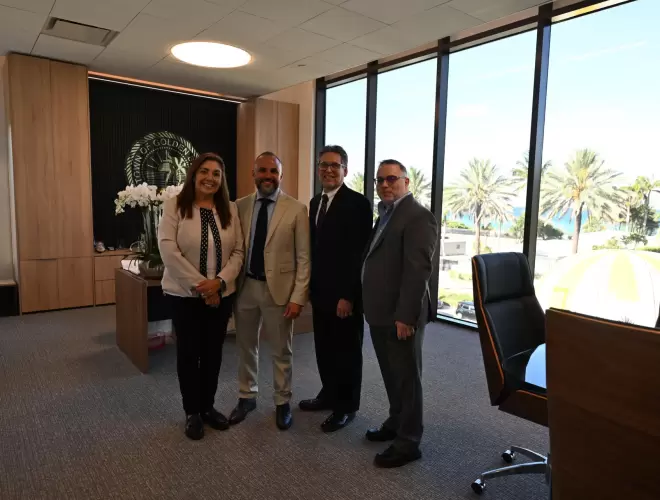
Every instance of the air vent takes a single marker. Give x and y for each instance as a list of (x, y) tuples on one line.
[(61, 28)]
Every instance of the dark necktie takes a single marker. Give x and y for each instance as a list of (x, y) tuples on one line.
[(261, 230), (322, 210), (209, 220)]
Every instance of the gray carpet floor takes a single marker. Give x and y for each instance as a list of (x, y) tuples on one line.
[(79, 421)]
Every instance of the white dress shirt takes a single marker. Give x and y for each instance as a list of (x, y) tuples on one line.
[(330, 195)]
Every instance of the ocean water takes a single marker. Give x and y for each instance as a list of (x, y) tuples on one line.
[(562, 223)]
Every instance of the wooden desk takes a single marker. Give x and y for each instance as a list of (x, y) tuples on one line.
[(138, 301)]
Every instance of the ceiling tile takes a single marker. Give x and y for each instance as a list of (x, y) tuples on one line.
[(315, 66), (19, 29), (109, 14), (335, 2), (38, 6), (390, 11), (152, 35), (117, 61), (385, 41), (269, 57), (342, 24), (304, 42), (65, 50), (434, 23), (242, 29), (487, 10), (348, 55), (197, 14), (292, 12)]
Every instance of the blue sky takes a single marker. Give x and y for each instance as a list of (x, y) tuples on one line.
[(603, 94)]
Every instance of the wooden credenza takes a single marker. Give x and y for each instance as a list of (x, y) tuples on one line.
[(104, 275), (48, 112)]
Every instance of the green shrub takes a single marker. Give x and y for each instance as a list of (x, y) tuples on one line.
[(455, 275), (452, 224), (651, 249)]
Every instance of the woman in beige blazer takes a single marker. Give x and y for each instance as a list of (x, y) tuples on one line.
[(201, 243)]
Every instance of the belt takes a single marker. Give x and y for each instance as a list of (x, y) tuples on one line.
[(255, 277)]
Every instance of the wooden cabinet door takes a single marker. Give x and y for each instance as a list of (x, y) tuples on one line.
[(71, 149), (105, 292), (39, 285), (35, 180), (75, 278)]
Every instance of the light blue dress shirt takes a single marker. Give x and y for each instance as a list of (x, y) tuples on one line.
[(255, 214)]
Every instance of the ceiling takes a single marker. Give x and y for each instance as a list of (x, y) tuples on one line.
[(291, 41)]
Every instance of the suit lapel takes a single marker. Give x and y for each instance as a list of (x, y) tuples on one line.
[(247, 221), (278, 213), (398, 211)]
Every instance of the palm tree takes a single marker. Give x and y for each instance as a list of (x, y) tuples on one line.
[(521, 170), (356, 183), (629, 198), (583, 184), (482, 193), (646, 187), (419, 186)]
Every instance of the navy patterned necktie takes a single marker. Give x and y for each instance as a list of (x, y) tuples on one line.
[(208, 219)]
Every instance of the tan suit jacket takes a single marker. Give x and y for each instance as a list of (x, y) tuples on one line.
[(179, 241), (286, 254)]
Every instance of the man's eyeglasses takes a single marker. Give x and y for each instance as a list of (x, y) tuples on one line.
[(325, 165), (391, 179)]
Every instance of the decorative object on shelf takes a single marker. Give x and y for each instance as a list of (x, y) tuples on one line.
[(149, 200)]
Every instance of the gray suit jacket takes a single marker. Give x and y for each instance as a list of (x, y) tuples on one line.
[(398, 267)]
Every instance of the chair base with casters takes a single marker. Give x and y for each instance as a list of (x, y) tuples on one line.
[(541, 465)]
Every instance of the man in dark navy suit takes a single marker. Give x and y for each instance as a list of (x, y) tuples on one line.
[(340, 222)]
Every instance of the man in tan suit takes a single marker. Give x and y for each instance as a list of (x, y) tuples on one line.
[(274, 285)]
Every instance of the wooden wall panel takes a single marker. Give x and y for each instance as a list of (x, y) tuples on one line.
[(75, 281), (70, 105), (267, 125), (245, 148), (38, 289), (287, 145), (35, 178), (104, 267)]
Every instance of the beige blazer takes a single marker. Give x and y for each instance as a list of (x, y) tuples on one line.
[(179, 241), (286, 254)]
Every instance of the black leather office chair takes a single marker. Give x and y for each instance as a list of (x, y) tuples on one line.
[(657, 323), (511, 326)]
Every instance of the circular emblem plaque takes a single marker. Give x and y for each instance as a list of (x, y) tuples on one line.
[(159, 159)]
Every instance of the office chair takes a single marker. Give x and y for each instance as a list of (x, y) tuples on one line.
[(657, 323), (511, 326)]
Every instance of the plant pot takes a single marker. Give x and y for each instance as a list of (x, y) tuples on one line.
[(149, 271)]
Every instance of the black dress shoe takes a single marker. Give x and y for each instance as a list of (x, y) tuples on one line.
[(243, 407), (194, 427), (381, 435), (213, 418), (283, 417), (392, 457), (314, 404), (337, 421)]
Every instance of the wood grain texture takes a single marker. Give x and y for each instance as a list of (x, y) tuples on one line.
[(266, 126), (287, 145), (104, 267), (131, 318), (35, 177), (245, 149), (75, 282), (104, 292), (39, 285), (70, 115), (604, 409)]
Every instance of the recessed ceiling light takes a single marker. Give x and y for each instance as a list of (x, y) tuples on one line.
[(211, 54)]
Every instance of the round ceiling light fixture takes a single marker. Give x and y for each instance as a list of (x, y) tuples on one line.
[(211, 54)]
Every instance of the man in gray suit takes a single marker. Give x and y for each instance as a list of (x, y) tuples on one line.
[(397, 307)]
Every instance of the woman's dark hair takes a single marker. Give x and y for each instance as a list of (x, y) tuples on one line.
[(186, 197)]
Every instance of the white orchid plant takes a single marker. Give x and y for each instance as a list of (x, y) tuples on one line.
[(149, 199)]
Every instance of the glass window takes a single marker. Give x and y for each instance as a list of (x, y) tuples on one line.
[(345, 125), (405, 117), (600, 195), (488, 126)]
